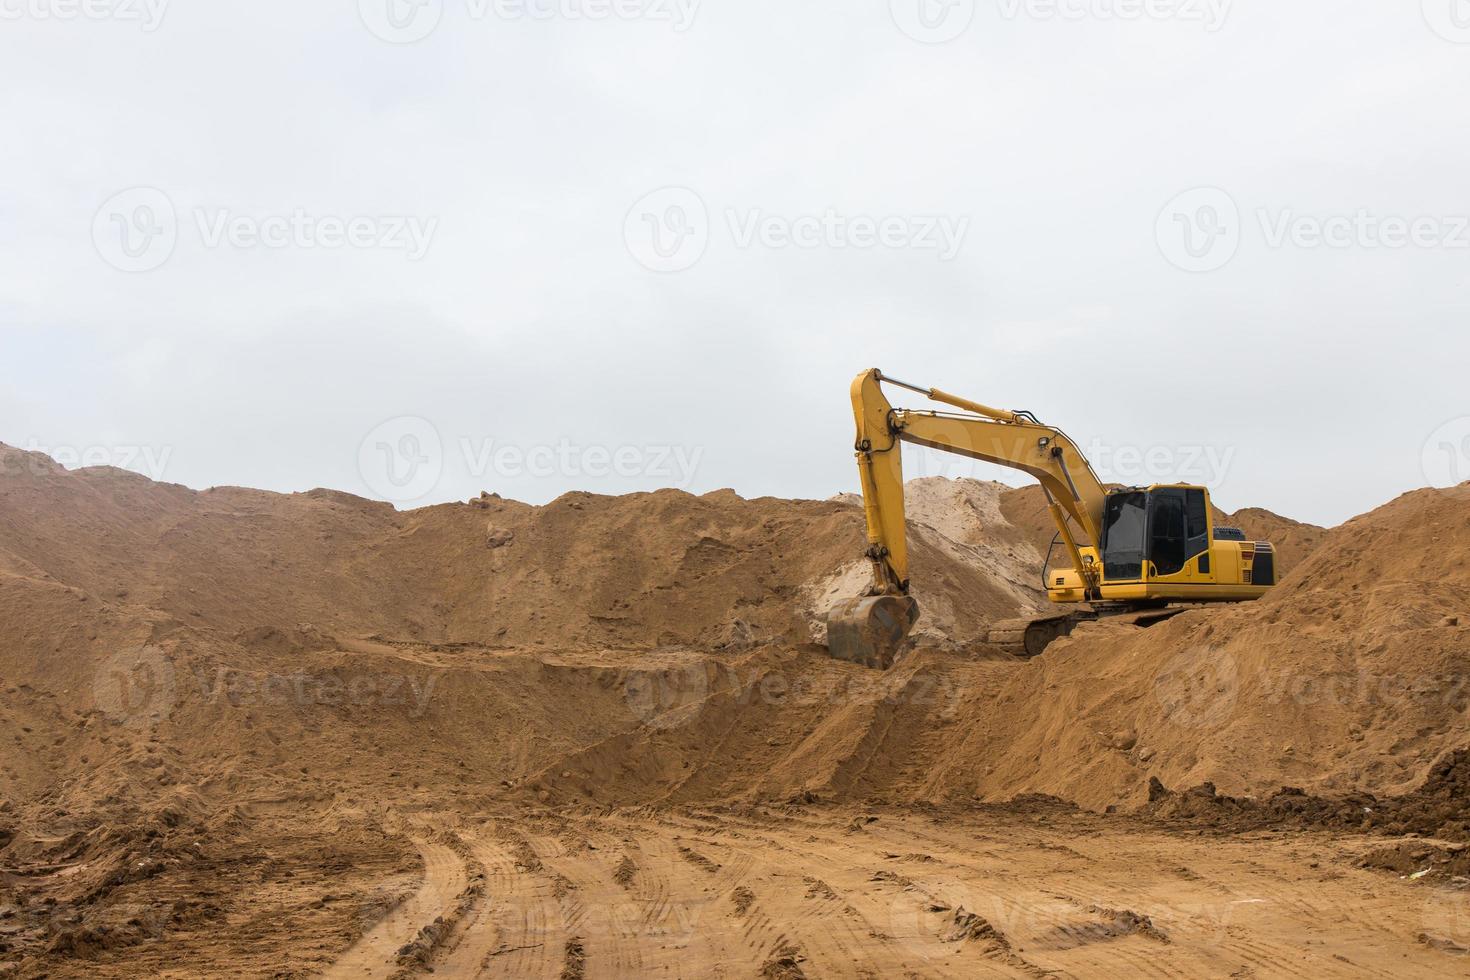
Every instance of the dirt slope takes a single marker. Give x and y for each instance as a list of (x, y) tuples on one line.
[(205, 691), (1350, 676), (528, 609), (642, 571)]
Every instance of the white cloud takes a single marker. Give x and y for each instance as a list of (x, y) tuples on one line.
[(529, 323)]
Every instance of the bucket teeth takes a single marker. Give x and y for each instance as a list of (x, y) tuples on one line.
[(871, 631)]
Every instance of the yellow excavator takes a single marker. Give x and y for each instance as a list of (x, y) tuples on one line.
[(1146, 553)]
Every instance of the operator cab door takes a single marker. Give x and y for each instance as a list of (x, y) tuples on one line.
[(1179, 535), (1125, 537)]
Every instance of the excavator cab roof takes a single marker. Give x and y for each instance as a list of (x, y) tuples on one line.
[(1158, 486)]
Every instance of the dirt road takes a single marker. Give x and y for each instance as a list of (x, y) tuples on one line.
[(843, 892)]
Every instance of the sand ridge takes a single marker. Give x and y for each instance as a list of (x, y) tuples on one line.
[(282, 734)]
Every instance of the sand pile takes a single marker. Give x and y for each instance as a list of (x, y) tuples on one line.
[(1353, 676), (662, 647), (952, 524), (235, 639), (189, 677), (225, 710), (1350, 679), (644, 571)]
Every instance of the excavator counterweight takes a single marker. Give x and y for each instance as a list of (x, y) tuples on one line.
[(1144, 552)]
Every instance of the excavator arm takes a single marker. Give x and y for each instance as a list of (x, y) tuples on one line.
[(871, 630)]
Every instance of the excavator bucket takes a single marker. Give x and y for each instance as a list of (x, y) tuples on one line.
[(871, 631)]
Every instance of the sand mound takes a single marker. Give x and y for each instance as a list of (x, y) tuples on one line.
[(661, 647), (197, 685), (639, 572), (289, 639), (1348, 680), (1350, 677)]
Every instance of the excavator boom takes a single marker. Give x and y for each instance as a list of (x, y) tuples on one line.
[(1013, 439)]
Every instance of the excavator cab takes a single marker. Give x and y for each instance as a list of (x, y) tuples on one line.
[(1161, 544), (1155, 532)]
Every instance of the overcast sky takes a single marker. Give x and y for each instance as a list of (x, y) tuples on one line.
[(527, 246)]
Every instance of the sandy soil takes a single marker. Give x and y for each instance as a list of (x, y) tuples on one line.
[(786, 891), (384, 869), (819, 891), (263, 735)]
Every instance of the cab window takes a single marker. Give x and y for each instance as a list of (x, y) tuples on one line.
[(1167, 536), (1125, 523), (1197, 522)]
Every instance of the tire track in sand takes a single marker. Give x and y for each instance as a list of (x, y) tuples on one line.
[(689, 910), (374, 954), (518, 929), (718, 899), (1232, 913), (795, 906), (597, 909)]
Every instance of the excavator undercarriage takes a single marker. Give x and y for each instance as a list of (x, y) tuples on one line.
[(1028, 638)]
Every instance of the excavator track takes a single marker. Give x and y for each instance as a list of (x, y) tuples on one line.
[(1029, 638)]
